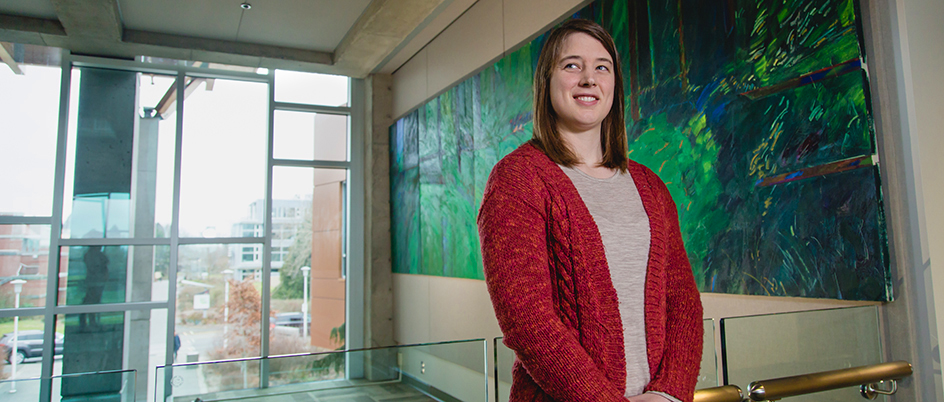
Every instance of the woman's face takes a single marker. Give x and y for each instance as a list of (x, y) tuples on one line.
[(581, 84)]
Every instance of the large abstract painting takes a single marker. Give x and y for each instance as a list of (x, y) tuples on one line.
[(755, 113)]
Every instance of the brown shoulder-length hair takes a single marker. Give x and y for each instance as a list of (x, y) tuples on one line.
[(546, 137)]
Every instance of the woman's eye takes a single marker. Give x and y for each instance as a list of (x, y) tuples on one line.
[(570, 66), (603, 68)]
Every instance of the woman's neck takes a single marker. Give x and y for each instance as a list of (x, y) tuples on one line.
[(586, 147)]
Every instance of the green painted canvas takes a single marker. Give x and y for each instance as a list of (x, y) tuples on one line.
[(756, 114)]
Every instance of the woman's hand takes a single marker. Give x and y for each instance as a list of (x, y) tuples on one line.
[(648, 397)]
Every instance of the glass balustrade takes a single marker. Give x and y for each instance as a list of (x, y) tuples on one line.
[(782, 345), (447, 371), (753, 348), (708, 374), (115, 386), (504, 361)]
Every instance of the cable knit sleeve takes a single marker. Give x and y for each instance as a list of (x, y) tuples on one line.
[(512, 225), (684, 332)]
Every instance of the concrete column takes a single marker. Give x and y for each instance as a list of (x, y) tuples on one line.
[(378, 276), (140, 279), (909, 322)]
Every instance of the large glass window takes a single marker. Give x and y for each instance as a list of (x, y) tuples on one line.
[(25, 360), (119, 167), (91, 275), (219, 304), (224, 158), (29, 110), (126, 298), (308, 294), (312, 89), (24, 256), (157, 107), (311, 136)]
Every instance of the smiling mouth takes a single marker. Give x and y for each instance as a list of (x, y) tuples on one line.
[(586, 98)]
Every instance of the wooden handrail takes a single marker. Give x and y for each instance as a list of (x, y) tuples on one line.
[(778, 388), (727, 393)]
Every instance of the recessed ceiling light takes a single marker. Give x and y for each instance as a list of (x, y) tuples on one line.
[(245, 6)]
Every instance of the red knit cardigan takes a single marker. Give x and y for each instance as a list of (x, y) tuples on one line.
[(550, 286)]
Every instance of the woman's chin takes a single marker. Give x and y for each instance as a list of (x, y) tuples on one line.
[(581, 125)]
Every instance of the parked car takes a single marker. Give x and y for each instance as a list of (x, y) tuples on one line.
[(289, 320), (293, 319), (29, 344)]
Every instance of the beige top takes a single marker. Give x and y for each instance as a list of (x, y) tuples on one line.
[(623, 223)]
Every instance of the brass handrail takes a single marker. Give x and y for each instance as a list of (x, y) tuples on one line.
[(727, 393), (774, 389)]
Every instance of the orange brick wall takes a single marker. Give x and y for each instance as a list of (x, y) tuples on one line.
[(327, 284)]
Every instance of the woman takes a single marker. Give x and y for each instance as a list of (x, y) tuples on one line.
[(583, 257)]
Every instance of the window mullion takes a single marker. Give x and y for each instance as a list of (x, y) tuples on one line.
[(267, 228), (55, 232)]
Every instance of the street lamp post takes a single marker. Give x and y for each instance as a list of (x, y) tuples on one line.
[(17, 288), (305, 303), (226, 275)]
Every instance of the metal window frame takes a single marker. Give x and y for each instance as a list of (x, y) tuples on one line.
[(25, 220), (267, 231), (352, 220)]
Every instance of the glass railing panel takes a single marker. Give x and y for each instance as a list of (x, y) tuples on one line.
[(781, 345), (504, 360), (26, 389), (210, 378), (445, 371), (104, 386), (708, 374)]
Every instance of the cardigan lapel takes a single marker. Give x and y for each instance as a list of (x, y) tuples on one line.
[(655, 307)]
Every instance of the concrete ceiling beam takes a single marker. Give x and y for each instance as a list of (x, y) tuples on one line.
[(98, 19), (222, 46), (7, 57), (30, 31), (383, 26), (30, 24)]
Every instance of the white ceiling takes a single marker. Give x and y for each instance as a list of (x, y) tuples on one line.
[(350, 37), (303, 24)]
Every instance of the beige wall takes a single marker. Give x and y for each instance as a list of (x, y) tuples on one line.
[(926, 44), (431, 308), (481, 35)]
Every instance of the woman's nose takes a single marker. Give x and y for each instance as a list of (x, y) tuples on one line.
[(587, 81)]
